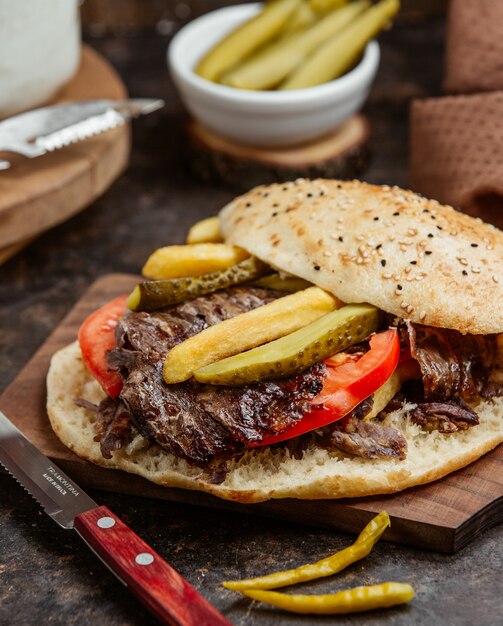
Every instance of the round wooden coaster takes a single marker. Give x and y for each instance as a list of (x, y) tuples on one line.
[(36, 194), (341, 154)]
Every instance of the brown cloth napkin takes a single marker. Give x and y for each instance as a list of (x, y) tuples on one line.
[(456, 142)]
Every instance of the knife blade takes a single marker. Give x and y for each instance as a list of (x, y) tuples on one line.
[(43, 130), (155, 583)]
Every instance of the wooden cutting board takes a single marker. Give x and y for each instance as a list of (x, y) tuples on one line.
[(36, 194), (443, 516)]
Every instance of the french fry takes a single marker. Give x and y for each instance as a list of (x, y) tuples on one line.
[(246, 39), (337, 55), (274, 64), (205, 231), (247, 330), (193, 260)]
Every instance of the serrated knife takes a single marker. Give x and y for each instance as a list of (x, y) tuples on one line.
[(37, 132), (155, 583)]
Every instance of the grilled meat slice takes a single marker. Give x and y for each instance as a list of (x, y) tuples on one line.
[(113, 426), (366, 439), (451, 364), (446, 417)]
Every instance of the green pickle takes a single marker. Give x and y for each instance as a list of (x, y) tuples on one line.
[(289, 283), (297, 351), (157, 294)]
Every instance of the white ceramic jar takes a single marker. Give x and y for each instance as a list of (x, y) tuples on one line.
[(39, 50)]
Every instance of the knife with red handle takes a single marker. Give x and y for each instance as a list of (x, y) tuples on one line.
[(154, 582)]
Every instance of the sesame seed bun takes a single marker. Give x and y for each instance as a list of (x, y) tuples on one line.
[(392, 248)]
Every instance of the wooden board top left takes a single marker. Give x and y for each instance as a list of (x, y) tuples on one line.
[(36, 194)]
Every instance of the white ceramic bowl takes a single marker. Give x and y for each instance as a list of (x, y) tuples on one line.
[(262, 118)]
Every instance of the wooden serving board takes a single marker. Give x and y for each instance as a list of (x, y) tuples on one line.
[(442, 516), (36, 194)]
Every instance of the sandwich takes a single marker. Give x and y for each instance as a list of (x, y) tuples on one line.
[(350, 346)]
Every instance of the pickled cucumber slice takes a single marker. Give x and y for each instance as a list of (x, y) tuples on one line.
[(247, 330), (157, 294), (338, 54), (246, 39), (275, 63), (205, 231), (297, 351), (323, 6), (193, 260), (288, 283)]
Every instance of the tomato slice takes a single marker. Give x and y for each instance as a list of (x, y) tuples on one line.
[(97, 336), (346, 385)]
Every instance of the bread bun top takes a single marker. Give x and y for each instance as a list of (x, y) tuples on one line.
[(407, 255)]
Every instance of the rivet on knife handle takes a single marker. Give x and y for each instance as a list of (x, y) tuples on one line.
[(155, 583)]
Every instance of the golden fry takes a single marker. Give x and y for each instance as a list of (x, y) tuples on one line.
[(205, 231), (193, 260)]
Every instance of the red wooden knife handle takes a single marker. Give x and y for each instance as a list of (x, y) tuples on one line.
[(155, 583)]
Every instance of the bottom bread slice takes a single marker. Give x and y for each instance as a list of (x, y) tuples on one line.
[(262, 474)]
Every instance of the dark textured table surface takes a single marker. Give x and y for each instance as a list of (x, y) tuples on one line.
[(46, 575)]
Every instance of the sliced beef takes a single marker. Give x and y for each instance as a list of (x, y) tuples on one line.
[(201, 423), (114, 428), (451, 364), (446, 417), (366, 439)]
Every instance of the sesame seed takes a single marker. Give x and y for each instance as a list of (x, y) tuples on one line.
[(274, 213), (379, 246), (427, 251), (397, 276), (359, 260), (439, 227), (340, 238), (409, 279), (474, 245), (397, 292), (396, 213), (317, 267), (462, 260), (376, 219), (413, 262), (399, 286), (392, 237), (475, 269), (489, 248), (248, 204), (309, 195), (360, 238), (465, 273), (407, 270), (404, 305), (454, 233), (410, 309), (412, 232), (422, 315), (383, 262), (327, 253), (386, 275), (430, 235), (495, 278)]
